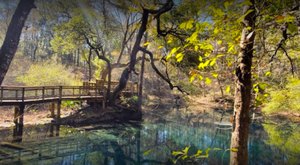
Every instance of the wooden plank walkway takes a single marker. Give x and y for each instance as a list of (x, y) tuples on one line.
[(15, 95), (19, 97)]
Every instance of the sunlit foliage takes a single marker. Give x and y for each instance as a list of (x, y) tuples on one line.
[(47, 73), (286, 99)]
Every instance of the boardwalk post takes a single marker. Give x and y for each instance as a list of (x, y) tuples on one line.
[(52, 110), (57, 128), (16, 115), (19, 112), (1, 95), (21, 119), (51, 130), (60, 92), (59, 104), (58, 110), (23, 94), (104, 98), (19, 123), (17, 94), (43, 93)]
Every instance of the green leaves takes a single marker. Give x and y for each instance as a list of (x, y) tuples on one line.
[(292, 28), (227, 4), (208, 63), (228, 89), (268, 74), (192, 78), (187, 25), (233, 149), (179, 57), (286, 99), (147, 152), (193, 39), (172, 52), (232, 48), (184, 155), (290, 20), (215, 75), (203, 65), (207, 81), (48, 73), (261, 95)]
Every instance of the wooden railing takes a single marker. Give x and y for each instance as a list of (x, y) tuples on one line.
[(131, 87), (46, 92), (88, 90)]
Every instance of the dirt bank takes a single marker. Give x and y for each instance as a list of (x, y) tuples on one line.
[(157, 109)]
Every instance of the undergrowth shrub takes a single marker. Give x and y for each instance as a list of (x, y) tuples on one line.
[(48, 74)]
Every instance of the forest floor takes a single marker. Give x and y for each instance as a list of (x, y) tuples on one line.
[(31, 117)]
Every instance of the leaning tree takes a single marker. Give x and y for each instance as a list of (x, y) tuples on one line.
[(13, 34)]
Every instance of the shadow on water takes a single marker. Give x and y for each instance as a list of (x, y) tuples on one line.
[(143, 143)]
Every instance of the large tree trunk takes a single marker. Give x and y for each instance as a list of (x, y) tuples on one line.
[(243, 88), (12, 37), (125, 74)]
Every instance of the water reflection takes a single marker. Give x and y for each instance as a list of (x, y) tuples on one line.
[(17, 132), (149, 143), (286, 138)]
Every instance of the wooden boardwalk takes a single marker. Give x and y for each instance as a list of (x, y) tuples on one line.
[(21, 96), (14, 95), (31, 95)]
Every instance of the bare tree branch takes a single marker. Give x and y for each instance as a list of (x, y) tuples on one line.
[(285, 37), (159, 73), (290, 59)]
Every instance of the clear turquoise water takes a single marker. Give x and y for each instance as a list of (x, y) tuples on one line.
[(149, 143)]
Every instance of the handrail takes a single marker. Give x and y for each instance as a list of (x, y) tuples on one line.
[(45, 92), (40, 93)]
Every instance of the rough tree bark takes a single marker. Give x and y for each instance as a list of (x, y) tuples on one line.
[(243, 88), (13, 34)]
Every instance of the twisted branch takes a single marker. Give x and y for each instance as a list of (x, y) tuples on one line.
[(280, 46), (159, 73)]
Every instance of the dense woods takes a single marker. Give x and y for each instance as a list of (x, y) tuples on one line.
[(245, 51)]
